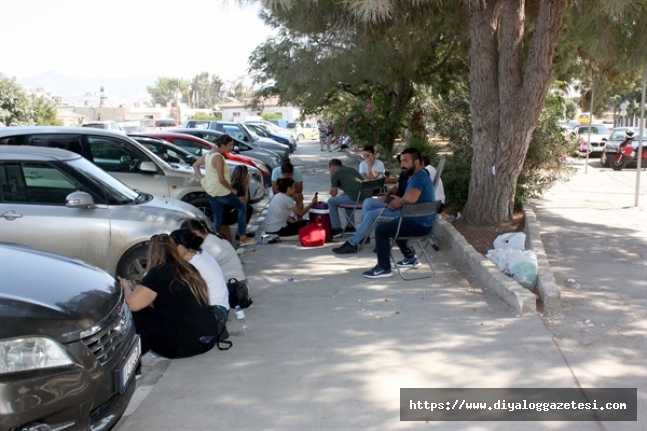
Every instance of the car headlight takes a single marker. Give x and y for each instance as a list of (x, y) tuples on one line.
[(31, 353), (255, 174)]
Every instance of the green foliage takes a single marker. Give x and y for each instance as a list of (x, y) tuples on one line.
[(205, 91), (545, 163), (19, 109), (165, 90), (271, 116), (367, 123), (203, 116), (452, 121)]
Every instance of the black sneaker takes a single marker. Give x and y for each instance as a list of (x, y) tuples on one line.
[(346, 248), (378, 272), (350, 228), (336, 232)]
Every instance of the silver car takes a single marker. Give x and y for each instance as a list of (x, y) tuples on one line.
[(58, 201), (118, 155)]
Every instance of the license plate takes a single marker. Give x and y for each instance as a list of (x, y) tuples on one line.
[(127, 369)]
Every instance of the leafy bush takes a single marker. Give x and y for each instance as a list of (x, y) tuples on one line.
[(545, 163)]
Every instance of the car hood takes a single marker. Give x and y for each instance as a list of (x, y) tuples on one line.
[(169, 211), (43, 293), (271, 143)]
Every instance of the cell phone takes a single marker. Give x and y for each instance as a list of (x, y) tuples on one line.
[(389, 199), (316, 194)]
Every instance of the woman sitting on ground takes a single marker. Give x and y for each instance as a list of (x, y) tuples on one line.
[(189, 248), (179, 323), (220, 249), (279, 218)]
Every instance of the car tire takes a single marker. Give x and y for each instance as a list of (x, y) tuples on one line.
[(300, 137), (604, 161), (201, 203), (133, 263), (618, 165)]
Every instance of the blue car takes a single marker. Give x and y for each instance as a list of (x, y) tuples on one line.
[(270, 131)]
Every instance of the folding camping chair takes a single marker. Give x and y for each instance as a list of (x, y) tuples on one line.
[(366, 188), (417, 210)]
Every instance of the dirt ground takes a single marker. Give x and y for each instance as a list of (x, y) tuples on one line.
[(482, 237)]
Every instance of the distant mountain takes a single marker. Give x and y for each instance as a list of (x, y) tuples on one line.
[(70, 86)]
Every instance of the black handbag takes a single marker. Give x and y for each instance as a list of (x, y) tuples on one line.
[(238, 294)]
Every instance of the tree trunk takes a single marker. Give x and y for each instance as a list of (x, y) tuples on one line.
[(506, 98)]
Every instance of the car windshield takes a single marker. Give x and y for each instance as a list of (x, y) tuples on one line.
[(117, 192), (595, 130)]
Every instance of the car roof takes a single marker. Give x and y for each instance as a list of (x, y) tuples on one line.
[(27, 152), (173, 134), (60, 130)]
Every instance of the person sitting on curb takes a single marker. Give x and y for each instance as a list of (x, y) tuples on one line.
[(180, 322), (190, 248), (372, 208), (278, 220), (220, 249), (349, 181), (419, 190), (371, 168), (287, 170)]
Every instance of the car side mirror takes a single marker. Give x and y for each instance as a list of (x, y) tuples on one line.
[(79, 200), (147, 167)]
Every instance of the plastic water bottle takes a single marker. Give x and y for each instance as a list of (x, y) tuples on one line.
[(240, 316)]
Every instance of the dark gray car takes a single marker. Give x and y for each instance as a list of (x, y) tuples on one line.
[(68, 348), (241, 132), (270, 158)]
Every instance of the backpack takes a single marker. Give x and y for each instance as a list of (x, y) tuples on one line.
[(238, 294)]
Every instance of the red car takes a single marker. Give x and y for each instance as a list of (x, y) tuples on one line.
[(199, 146)]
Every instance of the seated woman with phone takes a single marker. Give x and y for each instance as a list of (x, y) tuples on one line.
[(279, 218)]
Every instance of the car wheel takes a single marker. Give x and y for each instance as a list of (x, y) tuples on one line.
[(133, 263), (619, 164), (301, 137), (202, 204), (604, 161)]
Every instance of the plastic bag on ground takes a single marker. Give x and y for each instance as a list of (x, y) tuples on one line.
[(514, 240), (520, 265)]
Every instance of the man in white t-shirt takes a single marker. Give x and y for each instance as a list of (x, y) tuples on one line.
[(438, 188), (371, 168)]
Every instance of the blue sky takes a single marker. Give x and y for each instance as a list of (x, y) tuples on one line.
[(119, 38)]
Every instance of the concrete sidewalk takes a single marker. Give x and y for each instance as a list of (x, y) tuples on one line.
[(331, 349)]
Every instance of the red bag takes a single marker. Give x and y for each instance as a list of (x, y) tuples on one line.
[(320, 209), (313, 234)]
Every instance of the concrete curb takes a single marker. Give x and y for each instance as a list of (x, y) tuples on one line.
[(549, 292), (518, 298)]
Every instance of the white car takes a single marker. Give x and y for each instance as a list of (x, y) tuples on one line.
[(58, 201), (599, 136), (118, 155)]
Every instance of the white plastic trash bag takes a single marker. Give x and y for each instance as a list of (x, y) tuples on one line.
[(514, 240), (520, 265)]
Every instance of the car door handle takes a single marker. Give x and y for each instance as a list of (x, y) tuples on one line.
[(10, 215)]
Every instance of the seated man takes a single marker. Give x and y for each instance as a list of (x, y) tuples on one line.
[(287, 170), (438, 188), (372, 208), (349, 181), (371, 168), (419, 190)]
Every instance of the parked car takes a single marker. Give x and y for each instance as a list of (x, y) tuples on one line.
[(68, 348), (199, 146), (616, 137), (106, 125), (56, 200), (305, 131), (173, 154), (265, 131), (240, 132), (599, 136), (271, 159), (119, 155), (164, 123)]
